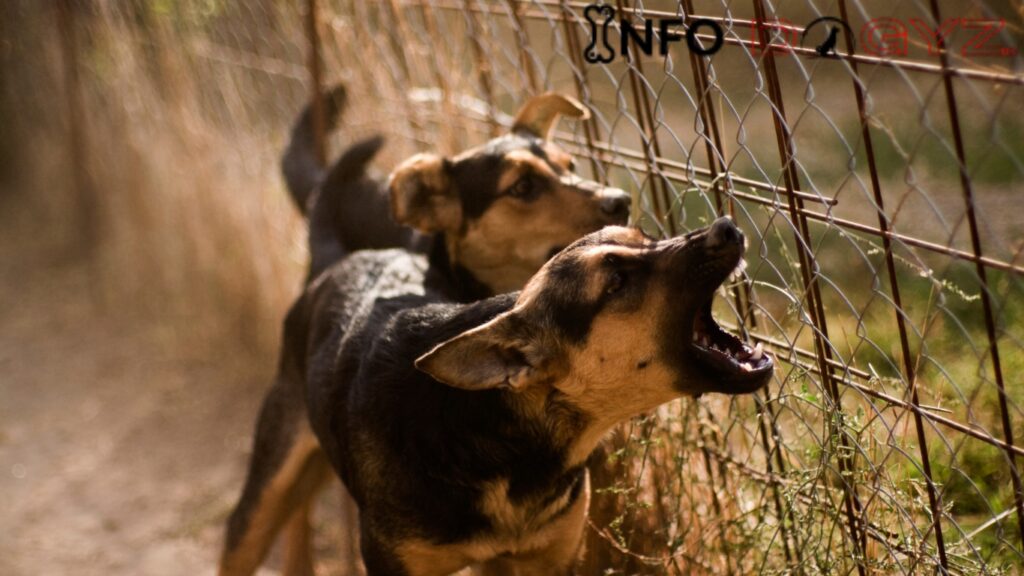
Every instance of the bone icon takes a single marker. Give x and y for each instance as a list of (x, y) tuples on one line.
[(605, 53)]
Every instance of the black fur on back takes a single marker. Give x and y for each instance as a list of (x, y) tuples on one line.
[(415, 453)]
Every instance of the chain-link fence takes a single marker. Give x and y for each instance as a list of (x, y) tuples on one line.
[(877, 181)]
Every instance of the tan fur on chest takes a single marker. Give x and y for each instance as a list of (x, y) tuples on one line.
[(514, 521), (549, 535)]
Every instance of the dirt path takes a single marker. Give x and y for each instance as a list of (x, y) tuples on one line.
[(120, 452)]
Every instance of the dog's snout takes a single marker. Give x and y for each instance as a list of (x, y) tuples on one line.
[(615, 202), (723, 232)]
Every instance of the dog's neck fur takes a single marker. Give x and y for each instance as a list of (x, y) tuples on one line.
[(454, 280), (539, 446), (553, 427), (534, 440)]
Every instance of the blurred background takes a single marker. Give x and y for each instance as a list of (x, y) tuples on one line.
[(148, 251)]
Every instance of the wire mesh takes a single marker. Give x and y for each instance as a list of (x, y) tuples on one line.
[(877, 192)]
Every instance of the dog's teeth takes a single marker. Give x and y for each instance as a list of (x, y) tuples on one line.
[(703, 340), (758, 352), (746, 367), (737, 272)]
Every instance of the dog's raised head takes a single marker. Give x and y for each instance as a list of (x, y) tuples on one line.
[(613, 326), (505, 207)]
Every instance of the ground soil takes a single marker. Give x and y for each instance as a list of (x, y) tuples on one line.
[(122, 450)]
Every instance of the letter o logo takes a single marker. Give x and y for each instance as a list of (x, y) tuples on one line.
[(691, 36)]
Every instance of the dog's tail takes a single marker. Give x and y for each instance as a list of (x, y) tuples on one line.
[(301, 167), (352, 163), (327, 214)]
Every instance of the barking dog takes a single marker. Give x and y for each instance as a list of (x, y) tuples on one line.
[(497, 212), (488, 219), (462, 430)]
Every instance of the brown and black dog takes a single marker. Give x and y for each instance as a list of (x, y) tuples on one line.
[(463, 430), (489, 216)]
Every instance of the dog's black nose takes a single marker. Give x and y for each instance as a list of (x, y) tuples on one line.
[(723, 232), (615, 202)]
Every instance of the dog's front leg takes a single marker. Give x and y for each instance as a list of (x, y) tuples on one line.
[(298, 533), (286, 471)]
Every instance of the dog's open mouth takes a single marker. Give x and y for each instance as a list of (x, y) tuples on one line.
[(725, 353)]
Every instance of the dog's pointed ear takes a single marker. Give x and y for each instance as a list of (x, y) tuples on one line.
[(422, 196), (540, 113), (498, 354)]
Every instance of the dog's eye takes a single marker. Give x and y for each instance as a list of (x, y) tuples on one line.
[(616, 277), (616, 282), (523, 188)]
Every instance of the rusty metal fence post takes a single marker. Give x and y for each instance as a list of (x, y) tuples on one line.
[(934, 499), (986, 297), (812, 294)]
